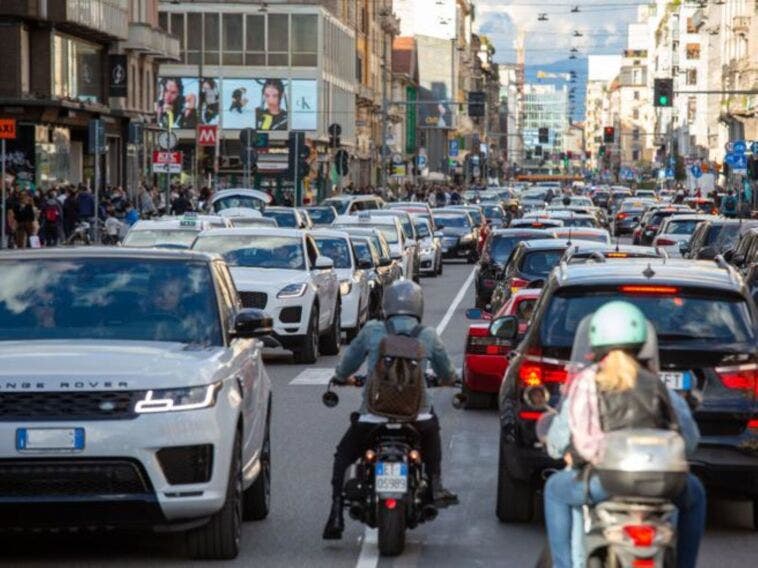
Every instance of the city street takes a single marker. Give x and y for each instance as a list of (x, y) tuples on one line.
[(304, 435)]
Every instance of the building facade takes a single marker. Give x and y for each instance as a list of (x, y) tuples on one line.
[(545, 106)]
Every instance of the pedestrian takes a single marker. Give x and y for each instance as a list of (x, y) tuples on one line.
[(51, 220), (132, 215), (145, 205), (729, 205), (181, 204), (25, 219)]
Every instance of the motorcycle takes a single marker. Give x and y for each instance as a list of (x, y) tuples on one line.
[(80, 234), (388, 488)]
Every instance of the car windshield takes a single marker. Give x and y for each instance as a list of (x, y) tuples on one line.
[(362, 250), (493, 212), (283, 218), (578, 222), (233, 201), (501, 246), (321, 215), (161, 238), (339, 204), (683, 317), (255, 251), (681, 227), (336, 249), (540, 262), (253, 222), (110, 299), (422, 229), (476, 215), (725, 236), (452, 221)]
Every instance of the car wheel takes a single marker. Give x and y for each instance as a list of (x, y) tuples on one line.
[(309, 352), (257, 497), (219, 539), (515, 498), (329, 344)]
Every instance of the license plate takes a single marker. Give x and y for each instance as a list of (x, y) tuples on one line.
[(391, 477), (50, 439), (677, 380)]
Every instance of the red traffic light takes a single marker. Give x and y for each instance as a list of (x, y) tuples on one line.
[(609, 134)]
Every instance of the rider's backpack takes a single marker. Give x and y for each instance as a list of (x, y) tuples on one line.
[(52, 214), (396, 387)]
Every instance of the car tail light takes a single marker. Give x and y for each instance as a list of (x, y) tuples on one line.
[(643, 563), (752, 424), (480, 342), (621, 216), (665, 242), (534, 372), (640, 535), (740, 377), (529, 415), (517, 284), (644, 289), (390, 503)]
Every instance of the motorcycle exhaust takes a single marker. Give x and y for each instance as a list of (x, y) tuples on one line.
[(356, 512), (429, 512)]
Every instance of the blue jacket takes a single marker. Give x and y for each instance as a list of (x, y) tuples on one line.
[(366, 347), (86, 204)]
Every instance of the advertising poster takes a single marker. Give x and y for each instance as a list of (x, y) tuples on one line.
[(304, 104), (210, 98), (271, 112), (178, 98), (254, 103)]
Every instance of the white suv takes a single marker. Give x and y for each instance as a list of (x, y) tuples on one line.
[(280, 271), (133, 394)]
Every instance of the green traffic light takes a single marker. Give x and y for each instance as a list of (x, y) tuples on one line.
[(663, 101)]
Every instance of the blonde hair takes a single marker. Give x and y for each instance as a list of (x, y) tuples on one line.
[(617, 372)]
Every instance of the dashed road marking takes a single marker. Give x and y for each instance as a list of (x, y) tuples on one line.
[(311, 377)]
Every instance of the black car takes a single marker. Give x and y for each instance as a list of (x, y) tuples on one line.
[(458, 233), (706, 326), (715, 236), (627, 216), (495, 254), (529, 262)]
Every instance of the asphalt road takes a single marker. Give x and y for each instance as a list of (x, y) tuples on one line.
[(304, 435)]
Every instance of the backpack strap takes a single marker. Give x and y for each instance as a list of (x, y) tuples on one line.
[(416, 331)]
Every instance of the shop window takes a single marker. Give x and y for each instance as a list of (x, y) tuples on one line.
[(255, 40), (77, 69)]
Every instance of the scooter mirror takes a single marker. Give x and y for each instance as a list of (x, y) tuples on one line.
[(330, 399), (459, 400)]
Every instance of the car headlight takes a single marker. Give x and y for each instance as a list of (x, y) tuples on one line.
[(345, 287), (175, 400), (292, 290)]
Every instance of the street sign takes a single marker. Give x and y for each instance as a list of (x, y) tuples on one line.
[(740, 164), (206, 134), (7, 128), (96, 136), (739, 147), (454, 148), (421, 161), (167, 140), (730, 158), (669, 173), (167, 162), (696, 171), (754, 148)]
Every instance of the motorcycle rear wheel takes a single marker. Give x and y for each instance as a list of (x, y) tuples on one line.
[(391, 529)]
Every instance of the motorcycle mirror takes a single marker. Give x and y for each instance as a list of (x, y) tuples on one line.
[(537, 397), (330, 399), (459, 400)]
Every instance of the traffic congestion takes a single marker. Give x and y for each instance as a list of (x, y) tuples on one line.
[(572, 366)]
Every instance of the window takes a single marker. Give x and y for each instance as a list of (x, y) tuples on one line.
[(177, 29), (304, 40), (211, 34), (636, 134), (232, 39), (635, 155), (636, 76), (636, 95), (77, 69), (636, 113), (163, 21), (691, 109), (255, 41), (693, 51), (194, 38), (278, 39), (691, 77), (691, 29)]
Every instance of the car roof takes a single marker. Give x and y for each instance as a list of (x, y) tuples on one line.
[(246, 192), (282, 208), (368, 220), (691, 217), (254, 231), (678, 272), (526, 294), (448, 213), (105, 252), (345, 197), (544, 244), (518, 231), (327, 232), (173, 223), (240, 212)]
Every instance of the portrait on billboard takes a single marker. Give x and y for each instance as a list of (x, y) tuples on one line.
[(177, 104), (304, 104), (210, 97), (271, 114)]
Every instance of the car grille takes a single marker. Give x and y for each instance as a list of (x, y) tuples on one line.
[(254, 299), (71, 477), (291, 314), (52, 406)]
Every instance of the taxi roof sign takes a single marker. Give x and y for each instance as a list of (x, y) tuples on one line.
[(7, 128)]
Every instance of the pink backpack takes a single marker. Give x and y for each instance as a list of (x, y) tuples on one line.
[(587, 435)]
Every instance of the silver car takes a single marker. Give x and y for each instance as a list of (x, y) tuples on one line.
[(133, 394)]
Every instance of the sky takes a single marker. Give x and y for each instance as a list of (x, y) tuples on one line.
[(602, 23)]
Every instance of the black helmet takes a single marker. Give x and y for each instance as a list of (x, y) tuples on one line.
[(403, 298)]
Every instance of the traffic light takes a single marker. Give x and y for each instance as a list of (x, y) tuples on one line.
[(298, 154), (609, 134), (544, 135), (601, 151), (334, 135), (476, 103), (663, 92), (342, 162), (538, 150)]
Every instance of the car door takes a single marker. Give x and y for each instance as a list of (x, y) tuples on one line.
[(326, 285)]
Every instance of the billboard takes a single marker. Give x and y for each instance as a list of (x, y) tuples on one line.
[(254, 103), (304, 104), (177, 102)]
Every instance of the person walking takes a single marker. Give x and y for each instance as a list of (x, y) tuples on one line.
[(51, 220), (25, 218)]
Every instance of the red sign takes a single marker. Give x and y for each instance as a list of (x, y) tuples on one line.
[(206, 134), (7, 128), (167, 162)]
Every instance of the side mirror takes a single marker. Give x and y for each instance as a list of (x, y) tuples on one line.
[(477, 314), (738, 259), (728, 255), (385, 261), (364, 264), (504, 327), (323, 263), (684, 247), (706, 253), (252, 322)]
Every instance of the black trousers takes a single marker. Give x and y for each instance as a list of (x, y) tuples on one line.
[(356, 439)]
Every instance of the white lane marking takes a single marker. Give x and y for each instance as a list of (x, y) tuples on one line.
[(369, 557), (318, 376), (456, 302)]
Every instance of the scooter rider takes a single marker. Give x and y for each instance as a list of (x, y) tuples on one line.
[(403, 306), (624, 395)]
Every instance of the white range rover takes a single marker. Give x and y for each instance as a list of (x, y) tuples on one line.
[(281, 272), (132, 393)]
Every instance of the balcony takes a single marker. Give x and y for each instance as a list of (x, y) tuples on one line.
[(105, 20), (152, 41), (390, 23), (741, 25)]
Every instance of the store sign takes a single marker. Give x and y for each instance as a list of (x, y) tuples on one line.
[(117, 71), (7, 128), (167, 162), (206, 134)]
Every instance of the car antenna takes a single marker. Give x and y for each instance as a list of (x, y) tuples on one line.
[(618, 240), (568, 242)]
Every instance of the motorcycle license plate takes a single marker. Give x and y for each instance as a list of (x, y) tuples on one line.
[(391, 477), (677, 380)]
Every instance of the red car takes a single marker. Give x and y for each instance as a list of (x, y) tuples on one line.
[(486, 358)]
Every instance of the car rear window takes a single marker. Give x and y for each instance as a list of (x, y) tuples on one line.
[(321, 215), (540, 262), (678, 318), (681, 227), (500, 247), (283, 218), (339, 204)]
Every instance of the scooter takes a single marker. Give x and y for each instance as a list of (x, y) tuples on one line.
[(388, 488)]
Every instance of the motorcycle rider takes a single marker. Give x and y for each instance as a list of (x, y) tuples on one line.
[(403, 307), (627, 395)]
